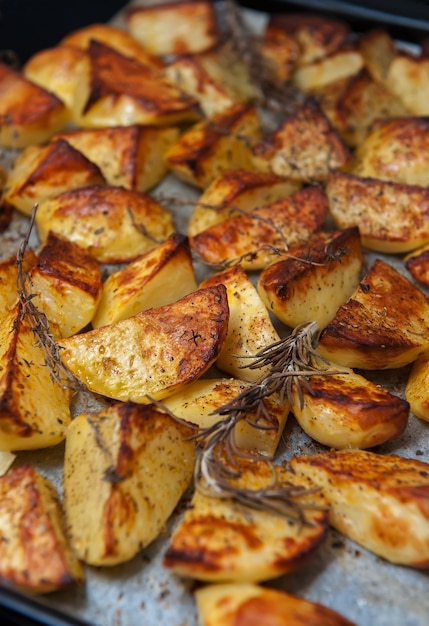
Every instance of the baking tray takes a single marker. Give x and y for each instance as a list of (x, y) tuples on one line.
[(342, 575)]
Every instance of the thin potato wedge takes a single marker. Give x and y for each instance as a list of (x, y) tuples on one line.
[(417, 387), (35, 555), (125, 469), (383, 325), (324, 70), (154, 353), (378, 50), (378, 501)]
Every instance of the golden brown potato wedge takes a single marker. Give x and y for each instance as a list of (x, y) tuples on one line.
[(42, 172), (254, 239), (314, 279), (116, 90), (128, 156), (112, 36), (378, 50), (125, 469), (408, 78), (9, 277), (305, 147), (220, 540), (35, 554), (34, 409), (280, 52), (65, 284), (392, 217), (216, 144), (228, 604), (152, 354), (182, 27), (29, 114), (236, 190), (417, 387), (317, 35), (379, 501), (346, 410), (250, 328), (396, 150), (339, 64), (417, 263), (198, 402), (383, 325), (113, 224), (159, 277)]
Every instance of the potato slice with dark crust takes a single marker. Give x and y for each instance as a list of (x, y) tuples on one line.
[(35, 554), (314, 279), (219, 540), (305, 147), (379, 501), (29, 114), (383, 325), (125, 469), (113, 224), (254, 238), (154, 353), (348, 411), (115, 90), (392, 217), (42, 172), (244, 604)]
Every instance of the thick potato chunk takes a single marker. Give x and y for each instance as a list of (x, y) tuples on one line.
[(408, 79), (125, 470)]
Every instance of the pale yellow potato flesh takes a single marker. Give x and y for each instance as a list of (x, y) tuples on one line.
[(417, 387)]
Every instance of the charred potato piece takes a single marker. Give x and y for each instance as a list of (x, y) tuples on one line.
[(154, 353), (29, 114), (125, 469), (177, 28), (339, 64), (65, 284), (224, 604), (35, 555), (116, 90), (314, 279), (392, 217), (378, 501), (249, 328), (280, 52), (219, 540), (199, 402), (305, 147), (159, 277), (114, 225), (254, 239), (42, 172), (383, 325), (408, 79), (34, 408), (216, 144)]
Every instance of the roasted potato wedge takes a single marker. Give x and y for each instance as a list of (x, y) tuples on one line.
[(392, 217), (182, 27), (35, 554), (280, 52), (116, 90), (200, 400), (224, 604), (417, 387), (395, 150), (378, 50), (113, 224), (159, 277), (152, 354), (42, 172), (216, 144), (65, 284), (254, 239), (378, 501), (34, 408), (408, 79), (417, 263), (29, 114), (305, 147), (314, 279), (345, 410), (383, 325), (339, 64), (8, 280), (250, 328), (234, 191), (219, 540), (128, 156), (125, 469)]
